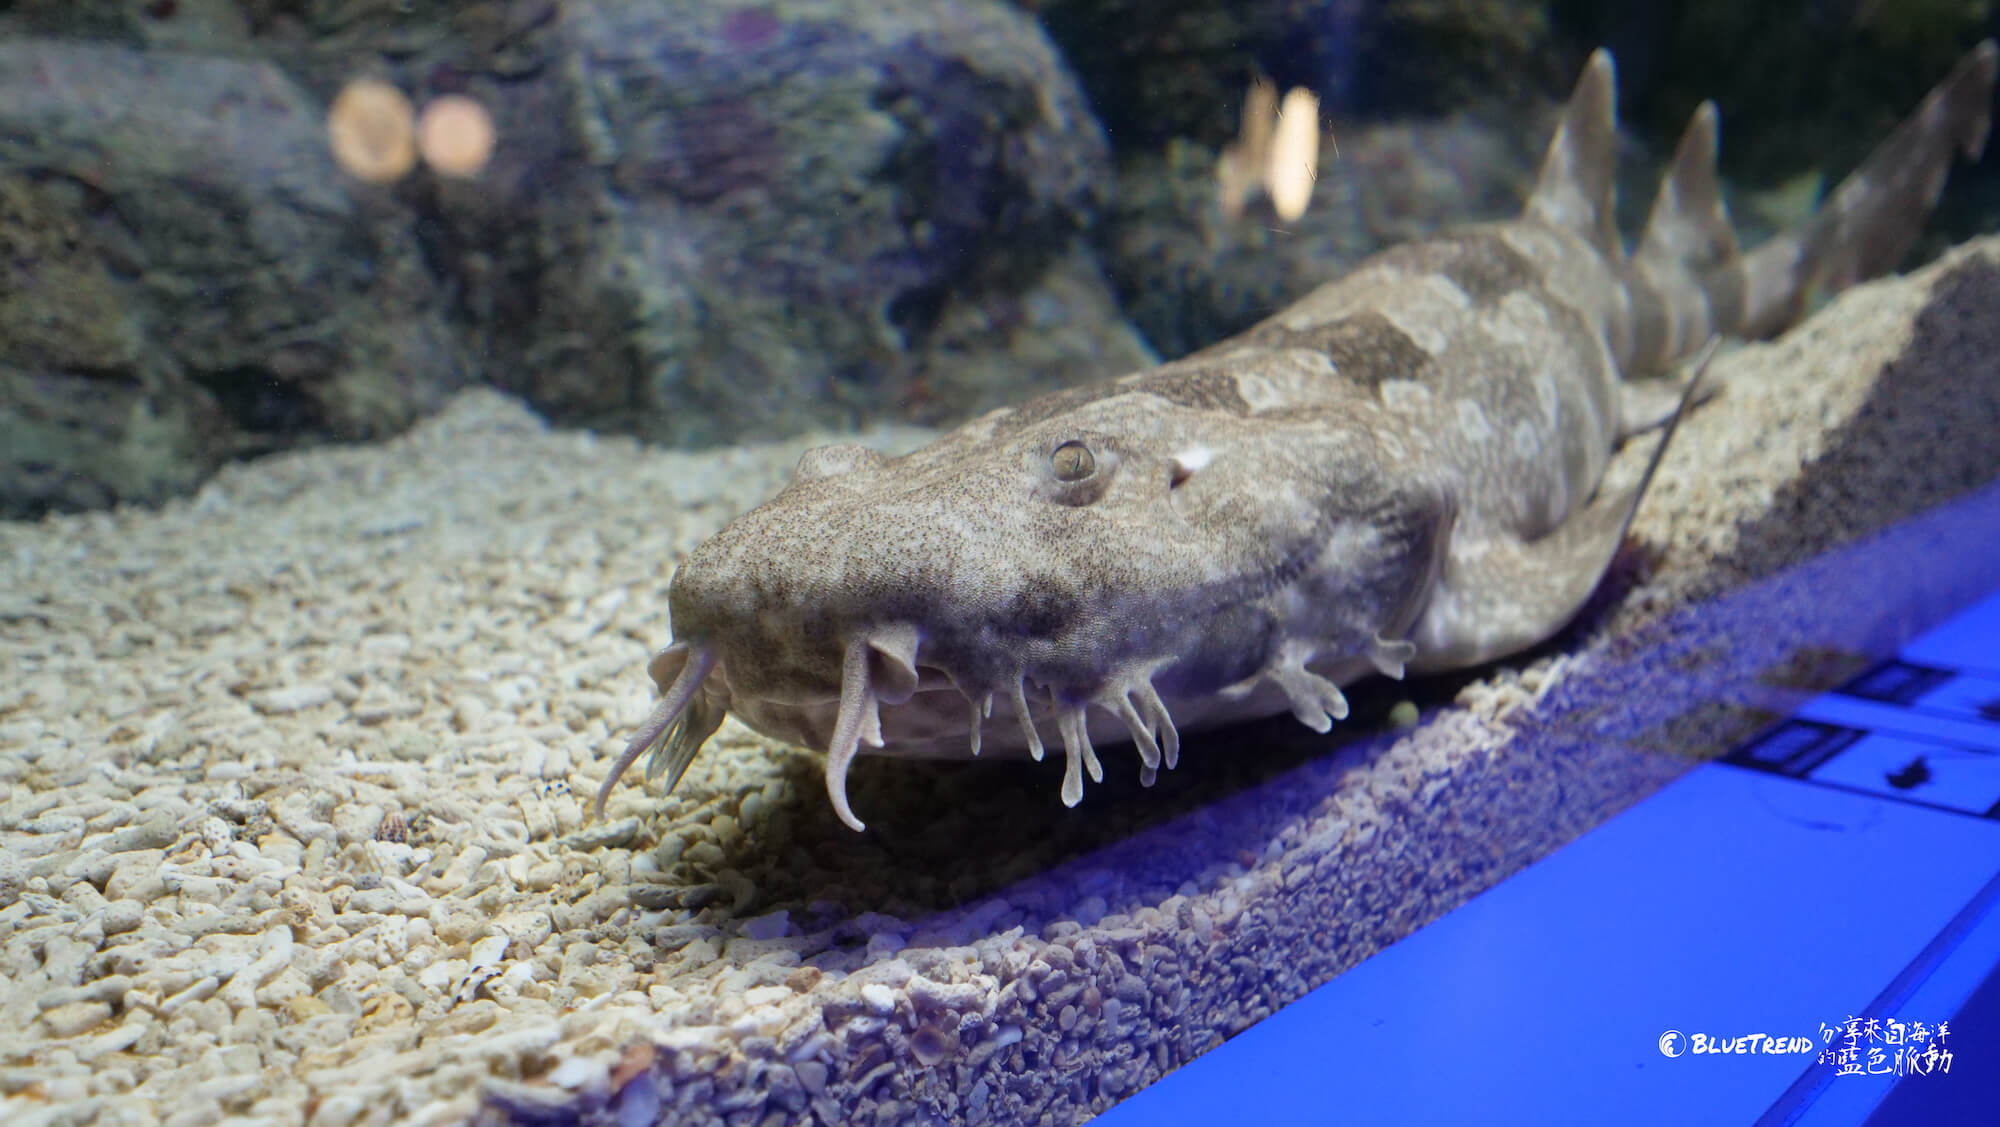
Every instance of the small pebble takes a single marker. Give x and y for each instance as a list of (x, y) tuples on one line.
[(580, 1072), (488, 951), (75, 1018), (879, 998), (1404, 715), (771, 925), (157, 832), (291, 698)]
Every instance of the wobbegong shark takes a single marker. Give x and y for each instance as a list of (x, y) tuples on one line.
[(1402, 471)]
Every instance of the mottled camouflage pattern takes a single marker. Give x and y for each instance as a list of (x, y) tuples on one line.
[(1401, 469)]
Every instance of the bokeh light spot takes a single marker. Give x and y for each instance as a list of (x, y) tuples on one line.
[(372, 130)]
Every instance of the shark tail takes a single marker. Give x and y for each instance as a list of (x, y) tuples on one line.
[(1868, 223)]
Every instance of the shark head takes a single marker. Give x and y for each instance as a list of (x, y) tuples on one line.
[(1112, 550)]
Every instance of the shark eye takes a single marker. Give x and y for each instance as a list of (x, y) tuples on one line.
[(1073, 461)]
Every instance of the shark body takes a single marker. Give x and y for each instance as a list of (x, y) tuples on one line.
[(1398, 472)]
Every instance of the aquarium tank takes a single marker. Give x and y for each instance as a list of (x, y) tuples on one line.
[(920, 561)]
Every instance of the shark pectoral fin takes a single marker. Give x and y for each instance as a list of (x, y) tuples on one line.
[(1500, 595)]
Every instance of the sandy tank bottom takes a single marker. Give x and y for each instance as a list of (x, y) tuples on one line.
[(293, 778)]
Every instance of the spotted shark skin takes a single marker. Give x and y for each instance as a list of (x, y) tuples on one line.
[(1399, 472)]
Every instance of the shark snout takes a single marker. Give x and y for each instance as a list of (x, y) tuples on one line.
[(877, 601)]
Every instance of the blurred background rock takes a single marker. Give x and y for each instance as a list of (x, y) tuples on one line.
[(708, 220)]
